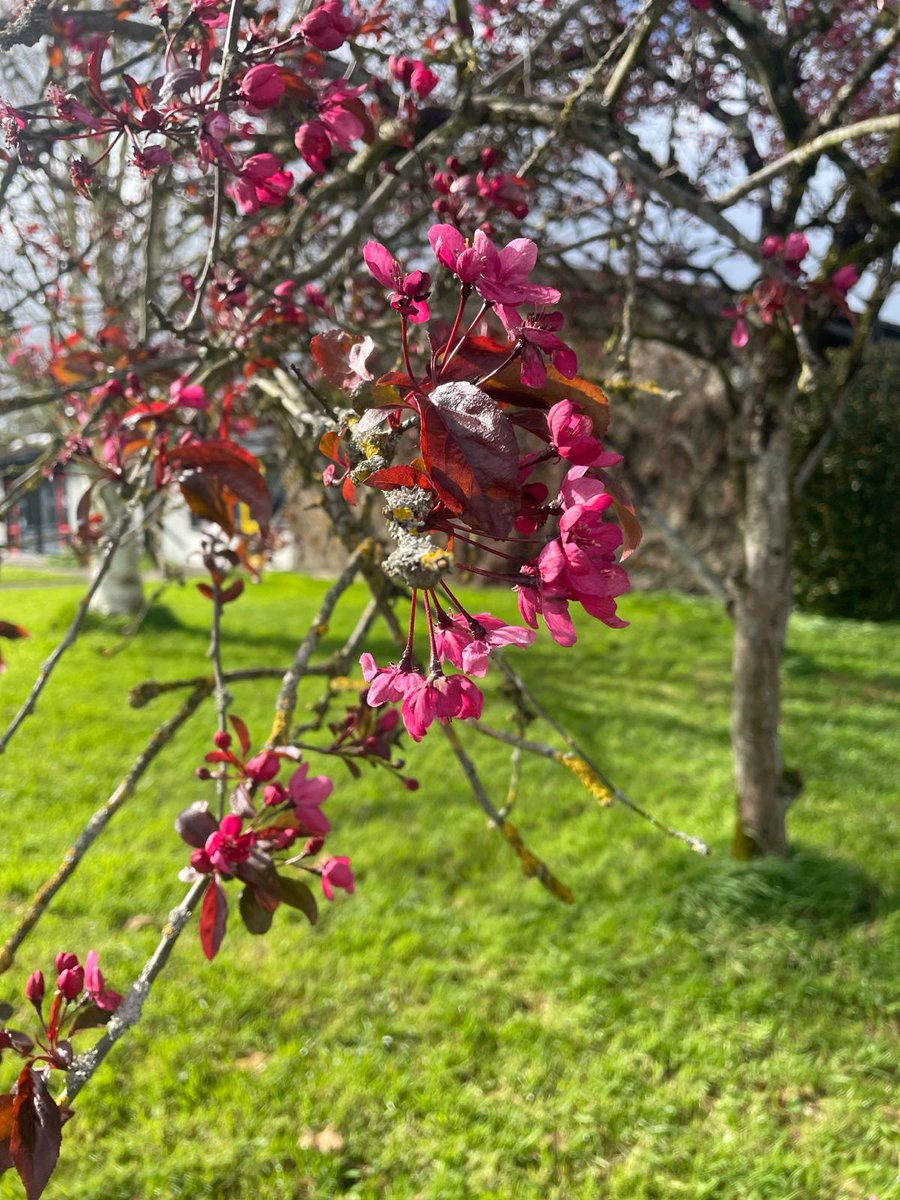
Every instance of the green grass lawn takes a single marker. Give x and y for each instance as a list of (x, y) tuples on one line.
[(689, 1028)]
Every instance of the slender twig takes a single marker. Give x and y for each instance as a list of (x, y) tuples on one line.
[(287, 697), (109, 550), (531, 864), (579, 762), (98, 822), (235, 13), (128, 1015)]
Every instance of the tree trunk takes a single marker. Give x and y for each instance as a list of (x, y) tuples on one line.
[(121, 592), (762, 600)]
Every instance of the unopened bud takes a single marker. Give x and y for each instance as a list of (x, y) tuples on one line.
[(222, 739), (71, 982), (35, 988), (203, 773)]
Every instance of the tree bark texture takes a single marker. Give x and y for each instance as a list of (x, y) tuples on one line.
[(762, 601), (121, 593)]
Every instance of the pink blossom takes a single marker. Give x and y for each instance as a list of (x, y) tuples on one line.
[(326, 27), (307, 796), (316, 297), (213, 13), (96, 988), (504, 275), (262, 183), (467, 644), (452, 249), (537, 599), (796, 248), (386, 684), (439, 697), (572, 434), (189, 395), (773, 245), (410, 290), (227, 848), (401, 68), (263, 86), (339, 109), (536, 336), (314, 144), (336, 873)]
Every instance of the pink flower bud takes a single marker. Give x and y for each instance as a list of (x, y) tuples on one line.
[(264, 766), (326, 27), (336, 873), (222, 739), (203, 773), (262, 86), (71, 982), (314, 144), (35, 988), (423, 80), (275, 793), (313, 846), (65, 962)]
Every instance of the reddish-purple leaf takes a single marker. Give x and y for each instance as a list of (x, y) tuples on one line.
[(471, 456), (295, 893), (13, 632), (90, 1016), (36, 1132), (7, 1103), (214, 475), (256, 917), (481, 355), (242, 732), (213, 919), (232, 592), (396, 477)]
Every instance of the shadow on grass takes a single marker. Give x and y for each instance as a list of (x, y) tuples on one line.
[(809, 889)]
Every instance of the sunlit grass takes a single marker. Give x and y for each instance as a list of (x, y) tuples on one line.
[(689, 1028)]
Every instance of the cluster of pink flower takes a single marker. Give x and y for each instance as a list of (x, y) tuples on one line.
[(472, 483), (226, 849), (81, 1001), (789, 290), (467, 196), (192, 110)]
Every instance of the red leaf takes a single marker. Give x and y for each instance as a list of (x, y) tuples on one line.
[(232, 592), (395, 477), (214, 475), (13, 632), (213, 919), (482, 354), (36, 1133), (472, 457), (295, 893), (7, 1103), (255, 915), (242, 732)]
